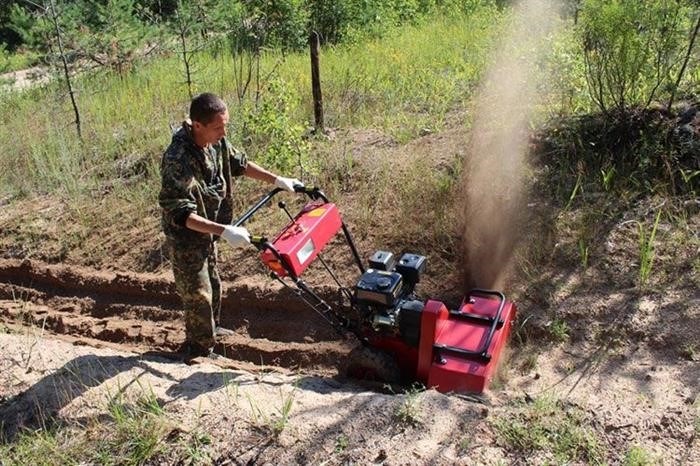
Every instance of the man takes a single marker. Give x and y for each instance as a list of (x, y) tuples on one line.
[(196, 174)]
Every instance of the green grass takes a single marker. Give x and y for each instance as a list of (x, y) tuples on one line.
[(16, 61), (558, 330), (647, 250), (416, 77), (132, 433), (272, 423), (550, 429), (638, 456), (341, 443), (131, 429), (47, 446), (397, 84)]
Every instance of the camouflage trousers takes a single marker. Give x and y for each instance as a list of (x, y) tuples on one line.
[(198, 284)]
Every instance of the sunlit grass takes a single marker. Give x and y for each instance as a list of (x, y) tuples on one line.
[(402, 83)]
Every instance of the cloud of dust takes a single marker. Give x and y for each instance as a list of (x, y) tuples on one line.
[(492, 204)]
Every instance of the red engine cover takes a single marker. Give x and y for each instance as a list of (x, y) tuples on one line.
[(302, 239), (442, 364)]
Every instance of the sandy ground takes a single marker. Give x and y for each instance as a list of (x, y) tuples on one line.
[(23, 79), (233, 405), (83, 348)]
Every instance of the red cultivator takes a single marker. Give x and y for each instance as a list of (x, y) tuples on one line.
[(403, 339)]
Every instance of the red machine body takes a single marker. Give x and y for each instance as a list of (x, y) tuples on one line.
[(304, 237), (459, 351)]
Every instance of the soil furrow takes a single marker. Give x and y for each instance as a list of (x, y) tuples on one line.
[(270, 326)]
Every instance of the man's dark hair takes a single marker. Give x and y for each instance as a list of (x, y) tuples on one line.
[(205, 107)]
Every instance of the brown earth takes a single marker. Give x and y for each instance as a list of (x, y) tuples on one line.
[(77, 323)]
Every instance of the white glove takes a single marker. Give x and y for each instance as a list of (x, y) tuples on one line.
[(236, 236), (287, 183)]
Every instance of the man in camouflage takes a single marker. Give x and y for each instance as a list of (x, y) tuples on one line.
[(196, 172)]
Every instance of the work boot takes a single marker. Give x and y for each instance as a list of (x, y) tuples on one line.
[(223, 332), (193, 351)]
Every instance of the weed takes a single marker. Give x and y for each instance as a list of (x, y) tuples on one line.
[(341, 443), (276, 423), (137, 431), (195, 448), (231, 390), (689, 351), (284, 411), (568, 366), (607, 177), (646, 250), (558, 330), (46, 446), (549, 426), (687, 176), (638, 456), (574, 191), (583, 253), (529, 362), (409, 411), (465, 444)]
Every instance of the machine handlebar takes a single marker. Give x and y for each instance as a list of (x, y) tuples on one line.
[(313, 193)]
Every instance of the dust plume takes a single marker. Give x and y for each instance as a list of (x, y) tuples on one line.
[(492, 204)]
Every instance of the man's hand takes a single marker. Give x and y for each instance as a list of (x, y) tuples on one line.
[(237, 237), (287, 183)]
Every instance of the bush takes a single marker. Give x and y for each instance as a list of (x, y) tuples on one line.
[(270, 133), (633, 50)]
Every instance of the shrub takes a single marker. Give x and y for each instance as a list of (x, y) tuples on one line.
[(633, 50)]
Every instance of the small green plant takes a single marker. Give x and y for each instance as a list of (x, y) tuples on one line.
[(529, 362), (231, 390), (277, 422), (646, 250), (689, 351), (687, 176), (583, 253), (638, 456), (465, 444), (408, 411), (44, 446), (558, 330), (341, 443), (280, 423), (195, 448), (272, 133), (607, 176), (572, 196)]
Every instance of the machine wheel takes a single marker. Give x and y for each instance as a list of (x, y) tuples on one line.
[(371, 364)]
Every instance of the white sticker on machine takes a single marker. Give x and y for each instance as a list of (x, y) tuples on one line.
[(305, 252)]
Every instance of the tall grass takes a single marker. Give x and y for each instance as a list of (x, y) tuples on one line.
[(646, 249), (404, 82)]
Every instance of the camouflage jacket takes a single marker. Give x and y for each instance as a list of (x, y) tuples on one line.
[(193, 180)]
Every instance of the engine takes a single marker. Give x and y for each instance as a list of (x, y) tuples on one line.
[(384, 296)]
